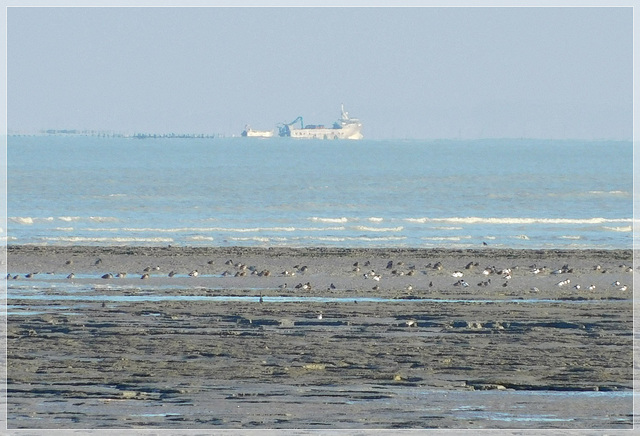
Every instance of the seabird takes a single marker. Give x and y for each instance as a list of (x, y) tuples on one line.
[(172, 273), (145, 276), (107, 276), (457, 274), (70, 276), (193, 273), (121, 275)]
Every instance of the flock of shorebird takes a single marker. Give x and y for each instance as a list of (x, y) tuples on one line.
[(397, 269)]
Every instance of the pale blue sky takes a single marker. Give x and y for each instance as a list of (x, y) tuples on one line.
[(405, 72)]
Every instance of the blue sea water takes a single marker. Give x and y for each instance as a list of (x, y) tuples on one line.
[(84, 190)]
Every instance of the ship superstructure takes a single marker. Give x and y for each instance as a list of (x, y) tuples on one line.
[(345, 128)]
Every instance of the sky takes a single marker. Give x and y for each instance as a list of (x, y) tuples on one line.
[(414, 73)]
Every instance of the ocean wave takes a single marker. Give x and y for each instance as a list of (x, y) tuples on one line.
[(209, 229), (21, 220), (570, 237), (610, 192), (69, 218), (618, 229), (218, 229), (199, 238), (446, 238), (104, 240), (480, 220), (377, 229), (28, 220), (375, 219), (97, 219), (329, 220), (353, 238), (321, 229), (254, 238), (103, 219), (64, 229)]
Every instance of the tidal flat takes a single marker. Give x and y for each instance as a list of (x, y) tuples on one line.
[(319, 338)]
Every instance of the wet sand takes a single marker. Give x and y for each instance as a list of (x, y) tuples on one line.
[(415, 348)]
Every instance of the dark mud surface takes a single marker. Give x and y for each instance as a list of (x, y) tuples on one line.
[(419, 351)]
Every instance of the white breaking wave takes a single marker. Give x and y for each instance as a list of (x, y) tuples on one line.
[(98, 219), (446, 238), (479, 220), (376, 219), (377, 229), (106, 240), (69, 218), (199, 238), (329, 220), (209, 229), (609, 192), (618, 229), (255, 238), (21, 220), (103, 219), (570, 237), (27, 220), (321, 229)]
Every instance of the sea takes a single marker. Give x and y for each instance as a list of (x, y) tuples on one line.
[(503, 193)]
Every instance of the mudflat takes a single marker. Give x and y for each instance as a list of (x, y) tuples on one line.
[(319, 338)]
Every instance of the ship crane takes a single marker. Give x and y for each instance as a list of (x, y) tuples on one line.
[(284, 128)]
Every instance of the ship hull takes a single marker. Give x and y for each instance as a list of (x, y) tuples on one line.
[(258, 133), (347, 132)]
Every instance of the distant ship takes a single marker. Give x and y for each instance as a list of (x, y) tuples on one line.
[(345, 128), (248, 131)]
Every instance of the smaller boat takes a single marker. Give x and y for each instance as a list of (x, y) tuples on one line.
[(249, 132)]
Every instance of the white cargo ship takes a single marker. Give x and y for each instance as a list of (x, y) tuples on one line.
[(345, 128)]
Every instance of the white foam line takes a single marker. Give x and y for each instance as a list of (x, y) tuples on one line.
[(479, 220)]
